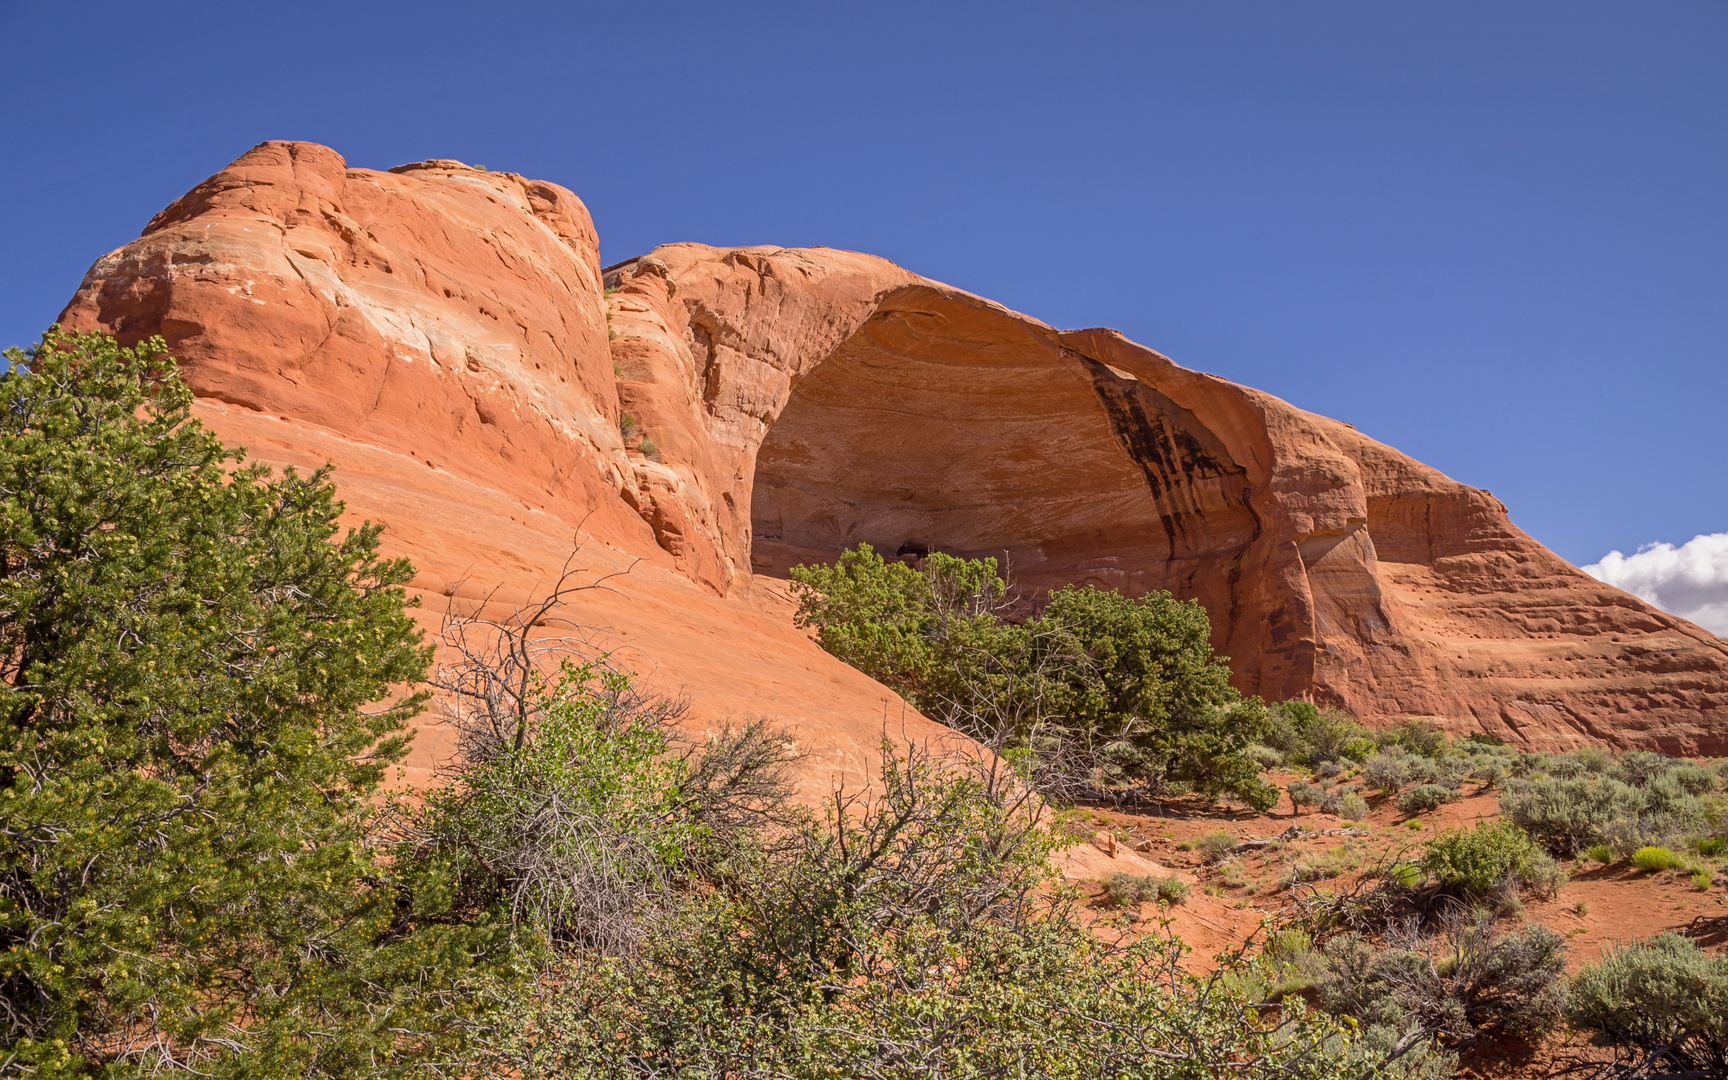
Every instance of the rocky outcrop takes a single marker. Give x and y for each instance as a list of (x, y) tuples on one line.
[(447, 337)]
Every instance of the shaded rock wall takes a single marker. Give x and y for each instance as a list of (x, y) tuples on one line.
[(449, 339)]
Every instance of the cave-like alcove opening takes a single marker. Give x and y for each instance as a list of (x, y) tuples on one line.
[(944, 423)]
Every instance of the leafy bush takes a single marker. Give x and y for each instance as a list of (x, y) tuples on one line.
[(1694, 779), (1307, 734), (1424, 798), (1652, 860), (1357, 748), (1478, 859), (1099, 692), (1602, 853), (1712, 846), (1353, 807), (584, 820), (649, 448), (199, 870), (1664, 1000), (1544, 876), (1417, 737)]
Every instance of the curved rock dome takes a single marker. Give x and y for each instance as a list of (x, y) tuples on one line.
[(709, 416)]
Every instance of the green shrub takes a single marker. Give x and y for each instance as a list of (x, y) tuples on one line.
[(201, 706), (1357, 748), (1099, 693), (1664, 1000), (1353, 807), (1694, 779), (627, 425), (649, 448), (1490, 773), (1424, 798), (1712, 846), (1701, 880), (1601, 853), (1407, 874), (1478, 859), (1309, 735), (1314, 868), (1544, 876), (1418, 737), (1594, 759), (1655, 859)]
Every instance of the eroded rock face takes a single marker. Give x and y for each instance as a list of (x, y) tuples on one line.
[(448, 338)]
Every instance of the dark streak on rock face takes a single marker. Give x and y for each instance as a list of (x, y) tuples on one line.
[(1171, 446)]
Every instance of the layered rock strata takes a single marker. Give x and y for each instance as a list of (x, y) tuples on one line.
[(710, 416)]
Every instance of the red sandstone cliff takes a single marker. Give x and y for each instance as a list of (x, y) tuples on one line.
[(447, 337)]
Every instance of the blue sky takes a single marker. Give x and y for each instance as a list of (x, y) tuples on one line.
[(1492, 235)]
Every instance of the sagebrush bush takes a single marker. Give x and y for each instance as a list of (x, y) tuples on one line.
[(1566, 815), (1665, 1000), (1454, 984), (1125, 889), (1385, 772), (1353, 807), (1424, 798), (1264, 756), (1569, 814), (1215, 844), (1304, 795), (1308, 735), (1357, 748)]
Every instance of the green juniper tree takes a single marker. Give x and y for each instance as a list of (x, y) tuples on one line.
[(192, 868)]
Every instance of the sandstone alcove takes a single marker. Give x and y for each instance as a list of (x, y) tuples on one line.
[(945, 423)]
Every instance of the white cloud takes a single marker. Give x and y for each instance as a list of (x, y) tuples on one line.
[(1690, 581)]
